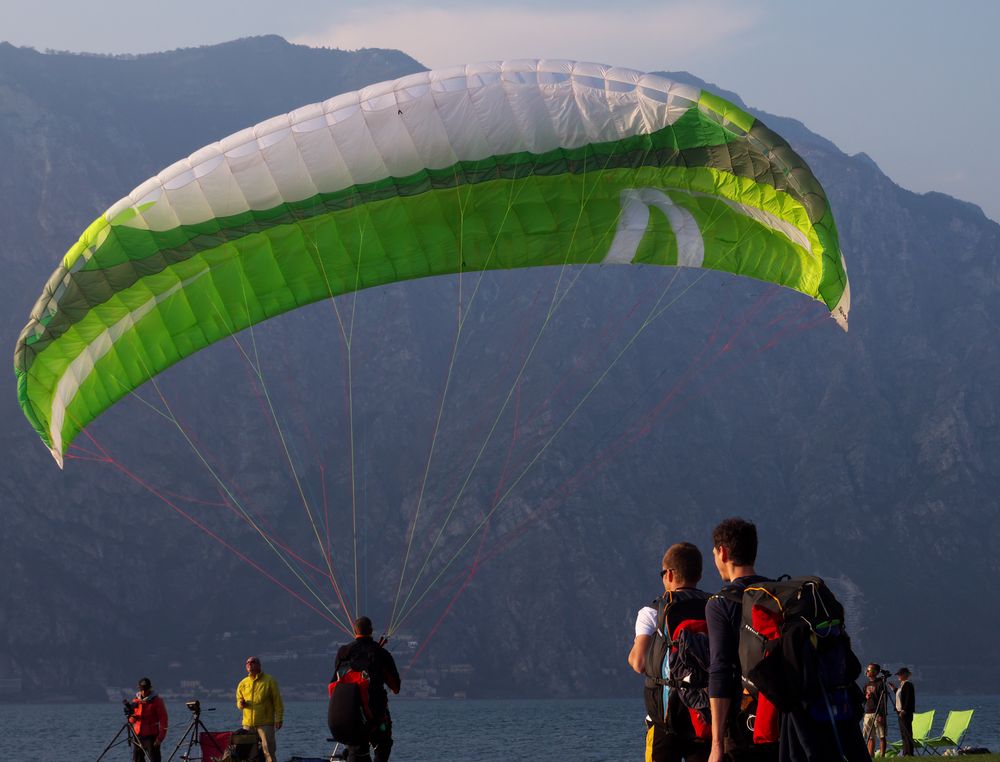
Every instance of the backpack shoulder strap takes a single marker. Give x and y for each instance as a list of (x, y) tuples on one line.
[(733, 593), (662, 606), (692, 594)]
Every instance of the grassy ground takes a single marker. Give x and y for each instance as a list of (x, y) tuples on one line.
[(970, 757)]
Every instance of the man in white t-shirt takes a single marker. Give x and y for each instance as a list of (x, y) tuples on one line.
[(670, 737)]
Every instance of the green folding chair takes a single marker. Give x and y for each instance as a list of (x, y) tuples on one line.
[(955, 726), (922, 722)]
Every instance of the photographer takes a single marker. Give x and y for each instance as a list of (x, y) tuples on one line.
[(876, 701), (148, 716)]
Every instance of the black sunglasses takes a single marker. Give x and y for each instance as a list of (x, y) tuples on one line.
[(663, 573)]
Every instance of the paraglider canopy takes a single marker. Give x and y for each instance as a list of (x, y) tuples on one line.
[(488, 166)]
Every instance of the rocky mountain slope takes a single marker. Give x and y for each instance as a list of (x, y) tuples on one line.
[(867, 458)]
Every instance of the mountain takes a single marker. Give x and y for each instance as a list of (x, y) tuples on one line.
[(865, 457)]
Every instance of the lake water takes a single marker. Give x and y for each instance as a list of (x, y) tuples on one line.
[(424, 730)]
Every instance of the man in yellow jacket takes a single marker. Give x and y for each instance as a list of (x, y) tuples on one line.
[(259, 698)]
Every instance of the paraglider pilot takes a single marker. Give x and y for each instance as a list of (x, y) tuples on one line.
[(367, 664)]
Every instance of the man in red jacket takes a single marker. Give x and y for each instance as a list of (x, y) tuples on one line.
[(149, 721)]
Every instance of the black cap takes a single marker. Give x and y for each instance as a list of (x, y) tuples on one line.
[(902, 672), (145, 683)]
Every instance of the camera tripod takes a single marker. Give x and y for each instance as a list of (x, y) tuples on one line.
[(131, 738), (190, 733)]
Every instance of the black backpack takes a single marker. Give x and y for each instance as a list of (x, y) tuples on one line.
[(795, 653), (348, 713), (676, 671)]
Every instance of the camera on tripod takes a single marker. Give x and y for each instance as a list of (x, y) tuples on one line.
[(128, 707), (194, 707), (883, 674)]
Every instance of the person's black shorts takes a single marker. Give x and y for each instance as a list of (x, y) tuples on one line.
[(662, 746)]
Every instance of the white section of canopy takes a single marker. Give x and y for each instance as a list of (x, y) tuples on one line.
[(428, 120), (843, 308)]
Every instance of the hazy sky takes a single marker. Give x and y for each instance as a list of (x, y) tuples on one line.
[(909, 82)]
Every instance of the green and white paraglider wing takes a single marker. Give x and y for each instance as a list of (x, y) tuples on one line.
[(498, 165)]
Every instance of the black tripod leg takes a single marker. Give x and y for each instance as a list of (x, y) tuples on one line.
[(190, 730), (134, 741), (114, 741), (198, 725), (190, 735)]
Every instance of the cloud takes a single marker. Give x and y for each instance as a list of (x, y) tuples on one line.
[(665, 35)]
